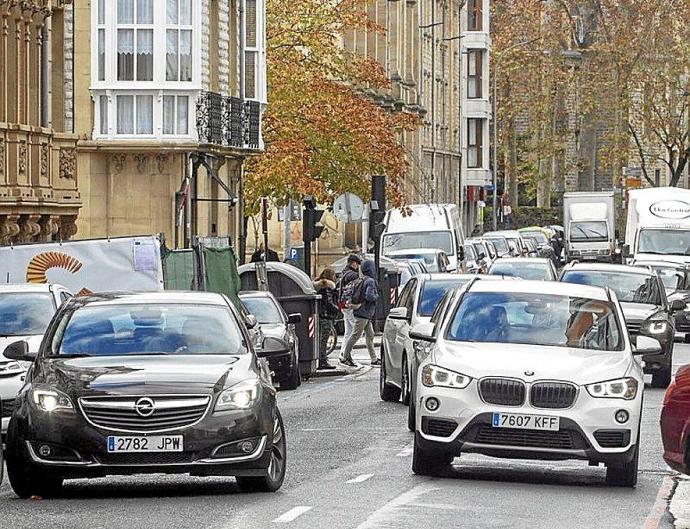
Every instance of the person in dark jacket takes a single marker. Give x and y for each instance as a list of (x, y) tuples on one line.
[(258, 255), (349, 275), (328, 312), (364, 311)]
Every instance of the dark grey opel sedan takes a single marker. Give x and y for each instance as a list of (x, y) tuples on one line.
[(145, 383)]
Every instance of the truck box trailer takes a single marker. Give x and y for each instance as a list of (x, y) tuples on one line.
[(589, 220)]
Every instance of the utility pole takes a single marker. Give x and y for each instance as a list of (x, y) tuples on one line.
[(377, 216), (311, 229)]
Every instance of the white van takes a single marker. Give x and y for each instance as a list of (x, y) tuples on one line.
[(426, 226)]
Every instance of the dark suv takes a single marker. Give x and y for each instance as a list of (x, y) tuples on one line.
[(145, 383)]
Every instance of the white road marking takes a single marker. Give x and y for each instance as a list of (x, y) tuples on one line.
[(657, 513), (383, 516), (360, 479), (292, 514)]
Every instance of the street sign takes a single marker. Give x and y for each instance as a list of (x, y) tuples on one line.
[(294, 209), (348, 207)]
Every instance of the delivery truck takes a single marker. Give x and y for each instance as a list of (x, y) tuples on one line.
[(658, 227), (589, 219)]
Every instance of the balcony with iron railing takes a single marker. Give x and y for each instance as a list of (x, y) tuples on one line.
[(227, 121)]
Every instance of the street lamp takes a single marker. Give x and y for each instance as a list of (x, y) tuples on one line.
[(497, 62)]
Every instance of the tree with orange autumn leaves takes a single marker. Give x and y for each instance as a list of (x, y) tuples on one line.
[(323, 135)]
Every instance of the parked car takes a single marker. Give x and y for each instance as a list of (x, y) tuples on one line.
[(475, 262), (515, 370), (276, 323), (515, 243), (399, 354), (163, 382), (499, 242), (532, 250), (530, 268), (675, 422), (25, 311), (541, 239), (485, 248), (408, 269), (645, 305), (435, 260)]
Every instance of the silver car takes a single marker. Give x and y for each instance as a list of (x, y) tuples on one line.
[(25, 311)]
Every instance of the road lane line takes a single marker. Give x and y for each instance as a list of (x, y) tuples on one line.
[(360, 479), (383, 516), (656, 515), (292, 514)]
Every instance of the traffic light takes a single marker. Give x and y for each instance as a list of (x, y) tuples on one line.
[(312, 228)]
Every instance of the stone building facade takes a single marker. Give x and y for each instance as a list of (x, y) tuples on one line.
[(39, 179), (168, 97)]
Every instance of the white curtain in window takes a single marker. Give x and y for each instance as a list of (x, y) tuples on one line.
[(186, 12), (125, 114), (101, 11), (171, 12), (171, 55), (182, 115), (144, 114), (168, 114), (125, 54), (250, 74), (185, 55), (250, 23), (101, 55), (145, 55), (144, 11), (125, 11), (103, 107)]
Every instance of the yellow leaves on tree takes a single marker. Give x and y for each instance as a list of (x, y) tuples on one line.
[(323, 135)]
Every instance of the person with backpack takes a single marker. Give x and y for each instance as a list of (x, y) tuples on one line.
[(328, 312), (363, 300), (347, 279)]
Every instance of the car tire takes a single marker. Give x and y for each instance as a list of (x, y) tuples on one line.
[(625, 475), (405, 382), (412, 413), (427, 463), (277, 466), (387, 392)]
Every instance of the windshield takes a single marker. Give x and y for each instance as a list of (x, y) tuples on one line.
[(631, 288), (264, 309), (500, 244), (537, 319), (479, 249), (537, 236), (432, 240), (25, 313), (528, 271), (469, 253), (429, 260), (664, 242), (151, 329), (593, 231), (673, 278), (432, 293)]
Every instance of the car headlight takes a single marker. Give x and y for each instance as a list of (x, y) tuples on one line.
[(622, 388), (240, 397), (657, 326), (434, 376), (49, 399)]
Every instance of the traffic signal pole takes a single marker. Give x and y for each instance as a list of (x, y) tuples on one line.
[(311, 230), (377, 216)]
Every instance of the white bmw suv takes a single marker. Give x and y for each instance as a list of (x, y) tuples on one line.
[(531, 370)]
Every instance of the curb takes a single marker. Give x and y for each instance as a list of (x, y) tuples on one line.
[(337, 372)]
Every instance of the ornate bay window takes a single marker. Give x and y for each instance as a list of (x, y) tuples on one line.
[(146, 72)]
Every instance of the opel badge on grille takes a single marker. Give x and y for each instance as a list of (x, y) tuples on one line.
[(145, 406)]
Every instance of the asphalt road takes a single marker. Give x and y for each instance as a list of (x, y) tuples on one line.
[(349, 467)]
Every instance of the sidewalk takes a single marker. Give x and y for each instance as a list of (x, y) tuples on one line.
[(359, 354)]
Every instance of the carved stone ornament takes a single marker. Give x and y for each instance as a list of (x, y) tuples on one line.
[(142, 162), (29, 227), (45, 151), (2, 157), (161, 161), (118, 161), (68, 163), (21, 162)]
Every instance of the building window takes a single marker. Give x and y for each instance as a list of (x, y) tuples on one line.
[(134, 40), (475, 62), (103, 109), (475, 135), (178, 40), (474, 15), (135, 114), (175, 115), (251, 54)]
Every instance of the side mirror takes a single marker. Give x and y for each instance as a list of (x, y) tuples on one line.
[(273, 346), (295, 318), (423, 332), (626, 251), (678, 305), (250, 321), (19, 351), (461, 253), (398, 313), (644, 345)]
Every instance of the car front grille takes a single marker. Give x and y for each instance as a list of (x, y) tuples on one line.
[(7, 408), (633, 327), (170, 412), (173, 458), (552, 395), (612, 438), (438, 427), (502, 391), (563, 439)]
